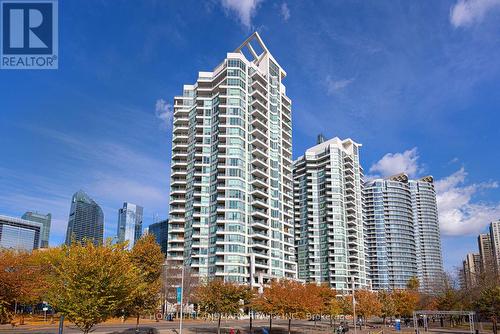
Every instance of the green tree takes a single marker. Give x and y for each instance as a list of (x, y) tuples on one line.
[(147, 257), (413, 283), (91, 283), (218, 297), (488, 305)]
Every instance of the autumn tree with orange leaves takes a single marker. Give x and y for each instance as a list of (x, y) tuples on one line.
[(405, 302), (367, 304), (21, 282), (330, 305), (288, 299)]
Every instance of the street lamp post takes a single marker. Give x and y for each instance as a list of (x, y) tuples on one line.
[(354, 306), (182, 299)]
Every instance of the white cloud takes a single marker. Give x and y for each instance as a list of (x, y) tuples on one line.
[(332, 86), (395, 163), (285, 11), (458, 215), (164, 112), (244, 9), (467, 12)]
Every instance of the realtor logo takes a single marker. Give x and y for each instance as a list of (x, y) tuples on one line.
[(29, 34)]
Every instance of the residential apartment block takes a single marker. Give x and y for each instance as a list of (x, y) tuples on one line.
[(471, 269), (495, 243), (486, 252), (403, 238), (329, 230), (231, 212)]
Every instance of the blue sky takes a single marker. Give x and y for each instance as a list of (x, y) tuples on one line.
[(417, 83)]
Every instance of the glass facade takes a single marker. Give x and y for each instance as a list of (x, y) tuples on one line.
[(160, 231), (86, 220), (129, 223), (45, 220), (390, 233), (329, 230), (231, 186), (403, 238), (427, 234), (19, 234)]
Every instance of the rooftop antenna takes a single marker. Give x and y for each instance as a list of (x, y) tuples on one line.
[(321, 139)]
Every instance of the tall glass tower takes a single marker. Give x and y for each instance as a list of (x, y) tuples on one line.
[(392, 249), (86, 220), (329, 230), (129, 223), (231, 177), (428, 237), (45, 220), (403, 236), (160, 231)]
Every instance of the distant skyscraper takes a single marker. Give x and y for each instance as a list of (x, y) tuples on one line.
[(471, 269), (19, 234), (486, 252), (495, 242), (427, 235), (392, 249), (129, 223), (160, 231), (231, 179), (329, 230), (45, 220), (86, 220)]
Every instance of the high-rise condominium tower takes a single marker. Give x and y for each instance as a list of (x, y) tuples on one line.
[(129, 223), (428, 238), (402, 232), (231, 186), (45, 221), (328, 215), (486, 252), (495, 243), (471, 269), (86, 220), (392, 249)]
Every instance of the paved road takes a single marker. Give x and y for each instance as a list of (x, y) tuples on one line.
[(191, 327), (208, 327)]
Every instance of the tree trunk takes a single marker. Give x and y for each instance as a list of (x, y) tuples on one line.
[(218, 324), (331, 321), (270, 323), (494, 321), (289, 324), (137, 323), (251, 322)]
